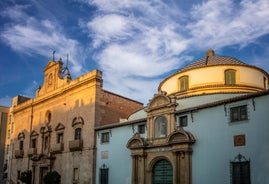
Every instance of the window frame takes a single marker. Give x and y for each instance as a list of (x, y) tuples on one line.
[(105, 137), (240, 170), (141, 128), (183, 83), (78, 134), (230, 77), (179, 120), (238, 113), (60, 138), (104, 174)]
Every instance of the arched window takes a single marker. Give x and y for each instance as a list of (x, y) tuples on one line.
[(160, 127), (184, 83), (78, 134), (230, 77)]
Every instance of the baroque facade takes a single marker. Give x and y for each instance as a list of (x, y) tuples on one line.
[(208, 123), (54, 131)]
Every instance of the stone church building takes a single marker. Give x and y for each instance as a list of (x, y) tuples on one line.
[(208, 123), (54, 131)]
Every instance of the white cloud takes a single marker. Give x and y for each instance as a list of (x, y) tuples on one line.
[(32, 36), (223, 23), (141, 40)]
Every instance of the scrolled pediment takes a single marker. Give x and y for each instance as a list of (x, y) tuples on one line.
[(180, 136), (135, 142), (160, 100)]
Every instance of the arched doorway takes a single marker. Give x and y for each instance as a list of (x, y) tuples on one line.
[(162, 172)]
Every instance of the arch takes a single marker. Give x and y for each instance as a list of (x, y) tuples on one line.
[(183, 83), (160, 126), (230, 77), (162, 172)]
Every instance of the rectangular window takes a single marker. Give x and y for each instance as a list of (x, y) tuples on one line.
[(104, 175), (46, 142), (238, 113), (182, 121), (105, 137), (33, 143), (240, 172), (141, 129), (60, 137), (21, 145), (75, 174)]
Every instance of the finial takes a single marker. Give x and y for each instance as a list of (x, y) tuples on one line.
[(210, 52)]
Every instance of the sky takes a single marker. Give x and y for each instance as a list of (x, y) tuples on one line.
[(135, 43)]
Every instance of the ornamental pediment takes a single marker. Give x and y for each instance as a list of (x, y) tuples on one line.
[(135, 142), (180, 136), (60, 126), (160, 100)]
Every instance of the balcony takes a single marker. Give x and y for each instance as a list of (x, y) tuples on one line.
[(57, 148), (31, 151), (76, 145), (19, 153)]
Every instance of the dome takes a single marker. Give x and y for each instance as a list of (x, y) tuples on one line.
[(212, 61), (215, 74)]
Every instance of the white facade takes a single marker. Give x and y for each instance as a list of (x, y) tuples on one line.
[(214, 148)]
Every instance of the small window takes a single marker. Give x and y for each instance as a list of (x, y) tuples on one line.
[(238, 113), (77, 133), (75, 174), (264, 83), (230, 77), (33, 143), (105, 137), (240, 170), (104, 174), (21, 145), (183, 83), (60, 137), (46, 142), (141, 128), (182, 121), (160, 127)]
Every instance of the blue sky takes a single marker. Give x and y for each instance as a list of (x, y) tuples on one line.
[(135, 43)]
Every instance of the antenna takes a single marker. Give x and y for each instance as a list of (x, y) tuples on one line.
[(66, 67), (53, 55)]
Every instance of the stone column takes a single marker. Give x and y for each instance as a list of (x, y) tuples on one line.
[(134, 169)]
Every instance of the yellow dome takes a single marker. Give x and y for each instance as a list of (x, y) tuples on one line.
[(215, 74)]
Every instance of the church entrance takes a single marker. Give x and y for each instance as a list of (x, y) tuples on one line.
[(162, 172)]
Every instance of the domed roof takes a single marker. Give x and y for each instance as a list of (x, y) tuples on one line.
[(212, 60)]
